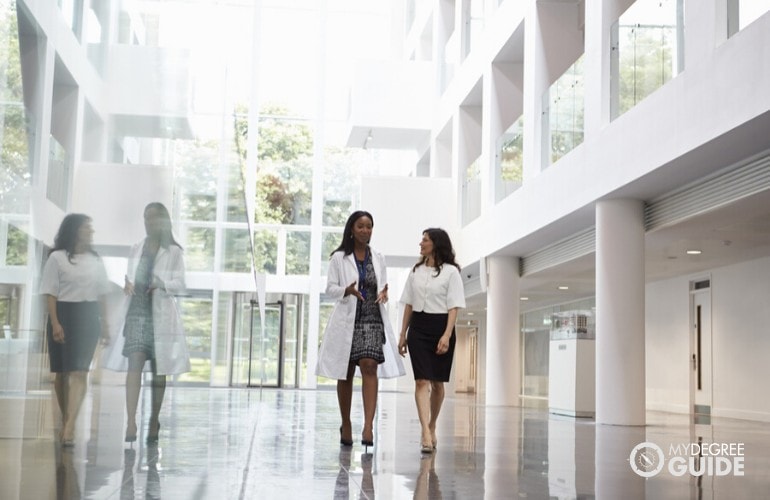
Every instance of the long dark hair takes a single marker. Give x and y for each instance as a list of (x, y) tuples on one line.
[(443, 253), (67, 236), (166, 236), (347, 243)]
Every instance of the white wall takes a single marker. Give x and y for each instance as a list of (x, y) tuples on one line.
[(114, 196), (403, 207), (740, 296)]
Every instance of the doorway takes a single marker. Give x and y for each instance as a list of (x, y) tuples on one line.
[(269, 357), (700, 347)]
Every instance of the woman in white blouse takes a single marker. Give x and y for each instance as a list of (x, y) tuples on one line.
[(74, 281), (432, 296)]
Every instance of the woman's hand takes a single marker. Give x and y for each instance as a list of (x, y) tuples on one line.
[(128, 287), (352, 289), (58, 332), (443, 344), (382, 298), (402, 344)]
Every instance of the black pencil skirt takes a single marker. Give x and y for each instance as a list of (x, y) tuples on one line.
[(425, 330), (80, 321)]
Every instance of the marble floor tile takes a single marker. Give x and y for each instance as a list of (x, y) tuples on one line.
[(284, 444)]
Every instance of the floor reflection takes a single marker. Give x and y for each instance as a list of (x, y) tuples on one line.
[(252, 444)]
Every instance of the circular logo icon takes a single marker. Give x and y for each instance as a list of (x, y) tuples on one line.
[(646, 459)]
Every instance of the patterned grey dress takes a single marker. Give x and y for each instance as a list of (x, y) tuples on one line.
[(368, 331), (138, 330)]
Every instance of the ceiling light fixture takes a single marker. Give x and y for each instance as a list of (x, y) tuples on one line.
[(694, 252), (563, 287), (523, 298)]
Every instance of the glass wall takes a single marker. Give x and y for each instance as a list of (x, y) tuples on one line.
[(471, 192), (741, 13), (647, 51), (535, 344), (563, 111), (509, 160)]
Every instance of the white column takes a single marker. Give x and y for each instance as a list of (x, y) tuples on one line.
[(503, 353), (620, 375)]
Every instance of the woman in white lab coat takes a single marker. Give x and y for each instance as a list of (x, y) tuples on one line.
[(153, 328), (358, 332)]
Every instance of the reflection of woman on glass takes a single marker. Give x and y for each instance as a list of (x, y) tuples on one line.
[(153, 328), (74, 279), (358, 332)]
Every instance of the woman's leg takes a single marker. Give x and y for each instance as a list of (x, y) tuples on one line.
[(158, 391), (61, 387), (436, 400), (423, 399), (136, 362), (344, 399), (369, 389), (75, 394)]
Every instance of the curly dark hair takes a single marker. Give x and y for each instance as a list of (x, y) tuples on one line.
[(67, 236), (443, 253), (347, 243)]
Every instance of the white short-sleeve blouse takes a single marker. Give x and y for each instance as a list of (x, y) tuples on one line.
[(436, 294), (84, 279)]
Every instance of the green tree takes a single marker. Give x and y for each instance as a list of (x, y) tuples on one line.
[(14, 140)]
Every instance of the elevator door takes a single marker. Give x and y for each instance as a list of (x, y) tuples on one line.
[(700, 351)]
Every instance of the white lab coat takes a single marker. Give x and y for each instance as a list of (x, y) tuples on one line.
[(171, 354), (334, 354)]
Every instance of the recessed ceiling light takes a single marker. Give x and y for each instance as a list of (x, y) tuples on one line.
[(471, 313), (563, 287), (523, 298), (694, 252)]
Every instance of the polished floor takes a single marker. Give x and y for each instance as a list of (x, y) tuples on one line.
[(266, 444)]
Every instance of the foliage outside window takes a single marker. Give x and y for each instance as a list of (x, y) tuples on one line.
[(14, 129), (237, 254), (647, 49), (510, 159), (196, 317), (197, 169), (16, 250), (266, 251), (199, 248), (565, 109), (298, 252)]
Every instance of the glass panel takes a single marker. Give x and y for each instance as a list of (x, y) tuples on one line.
[(285, 176), (219, 373), (741, 13), (324, 313), (510, 160), (266, 251), (298, 252), (16, 251), (196, 317), (290, 345), (565, 112), (331, 240), (647, 48), (471, 193), (196, 169), (199, 248), (58, 185), (237, 254)]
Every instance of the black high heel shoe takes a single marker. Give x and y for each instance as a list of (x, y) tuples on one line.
[(345, 442), (153, 438), (367, 443)]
